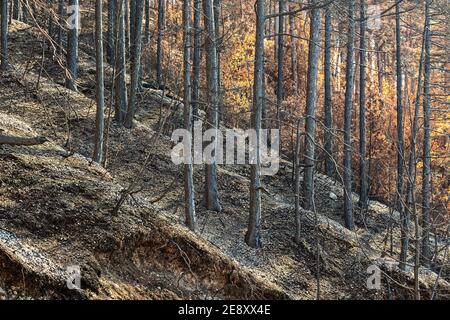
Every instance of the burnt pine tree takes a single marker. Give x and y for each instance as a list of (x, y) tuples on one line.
[(363, 188), (100, 86), (196, 58), (349, 74), (253, 236), (72, 46), (147, 22), (294, 61), (400, 146), (426, 171), (311, 98), (120, 88), (189, 203), (412, 174), (4, 35), (280, 61), (161, 13), (212, 111), (61, 22), (328, 108), (111, 30), (136, 47)]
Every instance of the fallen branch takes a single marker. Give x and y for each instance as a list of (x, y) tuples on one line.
[(21, 141)]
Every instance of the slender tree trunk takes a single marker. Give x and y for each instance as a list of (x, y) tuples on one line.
[(328, 108), (426, 173), (310, 122), (136, 49), (363, 201), (294, 63), (133, 13), (217, 5), (189, 203), (280, 61), (127, 25), (400, 146), (253, 236), (62, 22), (161, 10), (120, 85), (4, 35), (196, 58), (349, 75), (16, 9), (147, 22), (111, 30), (411, 186), (212, 114), (72, 49), (100, 89)]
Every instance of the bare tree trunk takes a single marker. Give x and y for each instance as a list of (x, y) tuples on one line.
[(196, 58), (294, 61), (310, 121), (112, 6), (136, 50), (161, 10), (253, 236), (62, 21), (400, 146), (72, 49), (212, 114), (120, 85), (16, 9), (4, 35), (349, 75), (147, 22), (426, 174), (100, 89), (328, 108), (280, 60), (363, 201), (189, 203), (411, 186)]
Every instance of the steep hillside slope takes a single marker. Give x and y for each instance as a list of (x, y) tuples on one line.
[(57, 210)]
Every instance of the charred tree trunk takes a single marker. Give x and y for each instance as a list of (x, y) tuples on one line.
[(349, 75), (72, 47), (363, 187), (253, 236), (4, 35), (212, 112), (136, 49), (328, 108), (100, 88), (310, 121), (189, 203)]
